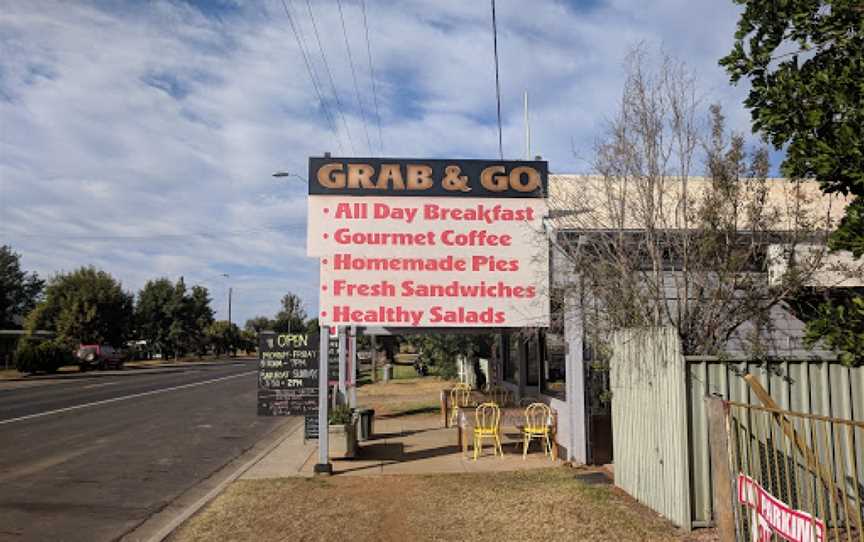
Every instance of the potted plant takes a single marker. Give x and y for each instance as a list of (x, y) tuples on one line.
[(343, 433)]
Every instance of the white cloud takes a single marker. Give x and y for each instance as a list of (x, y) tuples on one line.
[(124, 131)]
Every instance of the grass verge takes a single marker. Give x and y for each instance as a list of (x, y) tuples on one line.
[(545, 504), (402, 397)]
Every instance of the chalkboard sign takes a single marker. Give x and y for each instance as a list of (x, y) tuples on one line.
[(287, 374), (310, 427)]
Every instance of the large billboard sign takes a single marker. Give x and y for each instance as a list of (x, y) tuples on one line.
[(430, 243)]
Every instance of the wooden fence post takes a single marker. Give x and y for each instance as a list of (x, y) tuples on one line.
[(718, 442)]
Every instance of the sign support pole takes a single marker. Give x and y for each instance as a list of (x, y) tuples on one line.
[(323, 467), (343, 373), (352, 348)]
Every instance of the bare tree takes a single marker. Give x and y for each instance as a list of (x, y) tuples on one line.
[(657, 245)]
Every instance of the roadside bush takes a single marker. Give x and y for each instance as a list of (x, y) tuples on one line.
[(341, 415), (47, 356)]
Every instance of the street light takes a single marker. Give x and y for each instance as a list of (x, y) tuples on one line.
[(227, 276), (289, 174)]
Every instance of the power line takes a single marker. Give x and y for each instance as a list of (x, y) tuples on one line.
[(497, 82), (312, 75), (372, 78), (330, 75), (354, 76)]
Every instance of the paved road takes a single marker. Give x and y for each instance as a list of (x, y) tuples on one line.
[(72, 470)]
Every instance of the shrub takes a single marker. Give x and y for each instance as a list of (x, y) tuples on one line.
[(47, 356), (341, 415)]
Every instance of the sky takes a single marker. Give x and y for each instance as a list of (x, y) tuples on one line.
[(141, 137)]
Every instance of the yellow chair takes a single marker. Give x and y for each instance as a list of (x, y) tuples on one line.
[(538, 424), (487, 424), (460, 395)]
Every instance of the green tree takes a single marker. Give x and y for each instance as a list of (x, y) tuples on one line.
[(837, 324), (178, 309), (258, 324), (805, 65), (152, 321), (224, 337), (248, 340), (19, 290), (201, 318), (172, 319), (313, 326), (84, 306), (292, 317), (442, 349)]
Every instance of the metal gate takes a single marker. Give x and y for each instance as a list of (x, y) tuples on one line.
[(797, 476)]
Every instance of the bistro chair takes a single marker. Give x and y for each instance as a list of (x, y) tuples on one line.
[(487, 424), (460, 395), (500, 396), (538, 424)]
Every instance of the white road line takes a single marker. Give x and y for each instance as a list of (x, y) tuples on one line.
[(123, 398)]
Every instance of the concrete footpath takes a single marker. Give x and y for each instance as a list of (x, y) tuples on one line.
[(400, 445), (285, 460)]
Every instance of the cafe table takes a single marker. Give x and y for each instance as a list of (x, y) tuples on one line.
[(475, 398), (511, 417)]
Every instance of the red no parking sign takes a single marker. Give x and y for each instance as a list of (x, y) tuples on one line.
[(770, 515)]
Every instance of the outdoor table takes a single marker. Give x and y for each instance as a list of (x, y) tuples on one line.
[(510, 417), (474, 399)]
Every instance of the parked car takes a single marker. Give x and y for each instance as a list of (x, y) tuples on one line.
[(99, 356)]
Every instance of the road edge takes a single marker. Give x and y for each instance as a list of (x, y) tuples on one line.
[(130, 371), (163, 523)]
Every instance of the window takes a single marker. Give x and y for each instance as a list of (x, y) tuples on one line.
[(533, 361), (554, 348), (511, 358)]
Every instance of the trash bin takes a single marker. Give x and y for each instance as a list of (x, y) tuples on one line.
[(365, 419)]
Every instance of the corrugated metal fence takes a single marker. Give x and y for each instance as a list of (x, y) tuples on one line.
[(819, 387), (646, 378)]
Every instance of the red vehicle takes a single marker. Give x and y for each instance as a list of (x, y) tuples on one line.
[(98, 356)]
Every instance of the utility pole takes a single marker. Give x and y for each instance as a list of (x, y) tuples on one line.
[(227, 276), (527, 130), (497, 81)]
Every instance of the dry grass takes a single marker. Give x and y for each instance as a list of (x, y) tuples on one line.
[(544, 504), (547, 504), (399, 397), (7, 374)]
